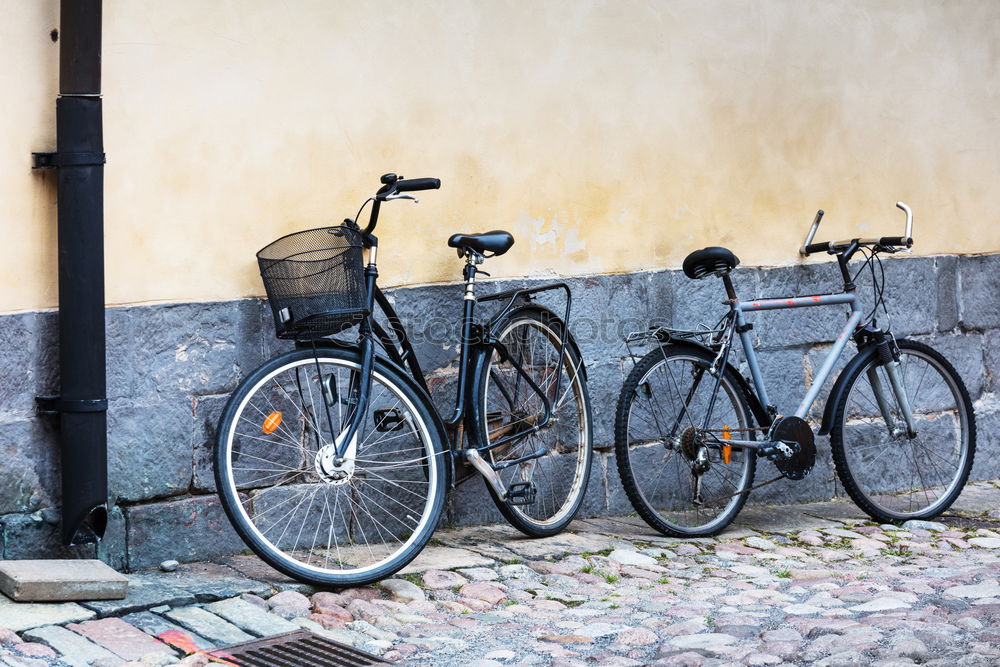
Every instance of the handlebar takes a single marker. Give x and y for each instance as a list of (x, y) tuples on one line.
[(392, 187), (415, 184), (904, 241)]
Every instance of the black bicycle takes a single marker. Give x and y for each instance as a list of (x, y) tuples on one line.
[(331, 460)]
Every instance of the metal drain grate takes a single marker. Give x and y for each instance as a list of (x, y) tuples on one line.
[(300, 648)]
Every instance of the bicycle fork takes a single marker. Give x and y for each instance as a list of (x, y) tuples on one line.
[(336, 460), (888, 361)]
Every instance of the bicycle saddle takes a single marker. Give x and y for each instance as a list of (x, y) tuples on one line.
[(497, 242), (710, 261)]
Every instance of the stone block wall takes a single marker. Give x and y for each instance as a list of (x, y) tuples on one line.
[(171, 367)]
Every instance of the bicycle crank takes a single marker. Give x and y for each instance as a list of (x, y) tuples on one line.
[(792, 448)]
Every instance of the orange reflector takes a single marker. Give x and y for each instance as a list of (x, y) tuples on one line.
[(271, 423), (727, 450)]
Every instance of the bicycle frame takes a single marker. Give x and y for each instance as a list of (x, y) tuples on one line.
[(848, 298), (396, 343), (473, 335), (737, 324)]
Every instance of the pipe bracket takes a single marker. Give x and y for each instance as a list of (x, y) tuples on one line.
[(67, 159), (54, 405)]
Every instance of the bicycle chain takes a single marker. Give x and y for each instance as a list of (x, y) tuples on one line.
[(751, 429), (752, 488)]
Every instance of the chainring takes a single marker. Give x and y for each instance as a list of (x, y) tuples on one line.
[(801, 462)]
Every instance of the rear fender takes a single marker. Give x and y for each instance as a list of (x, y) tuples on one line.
[(570, 340)]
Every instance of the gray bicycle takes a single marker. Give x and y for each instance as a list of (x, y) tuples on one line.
[(689, 427)]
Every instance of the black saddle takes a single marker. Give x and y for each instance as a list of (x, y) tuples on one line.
[(497, 242), (713, 261)]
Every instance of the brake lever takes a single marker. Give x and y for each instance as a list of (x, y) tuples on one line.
[(401, 196)]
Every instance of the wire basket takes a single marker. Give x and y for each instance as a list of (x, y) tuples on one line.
[(315, 282)]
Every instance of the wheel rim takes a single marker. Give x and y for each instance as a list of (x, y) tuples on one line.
[(901, 476), (509, 404), (291, 501), (661, 457)]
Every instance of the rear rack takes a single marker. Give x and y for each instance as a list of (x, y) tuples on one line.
[(656, 335), (660, 335), (666, 334), (515, 297)]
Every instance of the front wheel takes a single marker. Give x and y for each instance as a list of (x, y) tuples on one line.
[(321, 519), (892, 474), (545, 471), (676, 474)]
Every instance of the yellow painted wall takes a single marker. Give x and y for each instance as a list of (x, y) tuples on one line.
[(607, 136)]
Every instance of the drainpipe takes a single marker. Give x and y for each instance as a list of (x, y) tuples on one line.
[(79, 159)]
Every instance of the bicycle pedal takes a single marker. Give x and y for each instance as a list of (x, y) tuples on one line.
[(388, 419), (521, 493)]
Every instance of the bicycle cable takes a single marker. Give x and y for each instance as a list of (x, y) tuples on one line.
[(360, 210), (878, 285)]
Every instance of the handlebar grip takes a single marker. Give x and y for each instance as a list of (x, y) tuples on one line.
[(414, 184), (905, 241), (817, 247)]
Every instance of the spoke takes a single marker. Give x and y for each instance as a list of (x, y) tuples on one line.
[(302, 523), (268, 441), (357, 522), (412, 434), (399, 485), (276, 506), (402, 465), (394, 450), (302, 413), (253, 484), (370, 498), (680, 396), (275, 463), (282, 432), (347, 526), (289, 513), (920, 383), (570, 384)]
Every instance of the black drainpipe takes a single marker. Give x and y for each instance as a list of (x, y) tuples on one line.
[(79, 158)]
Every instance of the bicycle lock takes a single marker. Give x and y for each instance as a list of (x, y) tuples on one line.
[(79, 161)]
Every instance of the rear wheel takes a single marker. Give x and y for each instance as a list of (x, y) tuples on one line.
[(677, 476), (546, 471), (889, 474), (316, 518)]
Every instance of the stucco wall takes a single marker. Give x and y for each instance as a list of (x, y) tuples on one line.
[(607, 136)]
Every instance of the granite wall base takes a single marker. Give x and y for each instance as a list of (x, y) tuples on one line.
[(171, 367)]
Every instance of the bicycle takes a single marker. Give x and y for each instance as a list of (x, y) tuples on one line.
[(331, 461), (689, 427)]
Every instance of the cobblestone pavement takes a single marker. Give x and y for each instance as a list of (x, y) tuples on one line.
[(814, 584)]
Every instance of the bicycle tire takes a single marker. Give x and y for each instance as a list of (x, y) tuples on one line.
[(647, 452), (503, 400), (294, 514), (873, 463)]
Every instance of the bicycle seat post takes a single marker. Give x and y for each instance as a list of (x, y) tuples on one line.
[(730, 291)]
